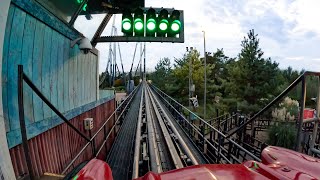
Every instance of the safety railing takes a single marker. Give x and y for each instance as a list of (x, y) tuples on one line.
[(222, 149), (22, 77), (301, 122)]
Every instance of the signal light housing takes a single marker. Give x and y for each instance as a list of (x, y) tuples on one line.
[(163, 23), (175, 23), (127, 23), (150, 25), (151, 22), (138, 22)]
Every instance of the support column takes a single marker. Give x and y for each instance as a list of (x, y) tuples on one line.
[(6, 169)]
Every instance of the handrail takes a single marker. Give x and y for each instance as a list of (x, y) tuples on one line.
[(206, 123), (129, 98), (23, 77), (274, 101), (51, 106)]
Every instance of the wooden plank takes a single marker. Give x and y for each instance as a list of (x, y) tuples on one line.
[(76, 77), (87, 77), (66, 74), (27, 53), (90, 78), (93, 78), (5, 67), (15, 48), (37, 69), (72, 75), (54, 70), (45, 70), (60, 73), (48, 18), (79, 85), (82, 87), (75, 80)]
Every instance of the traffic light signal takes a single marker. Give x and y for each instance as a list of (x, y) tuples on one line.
[(175, 23), (138, 22), (127, 23), (152, 25), (163, 23), (151, 22)]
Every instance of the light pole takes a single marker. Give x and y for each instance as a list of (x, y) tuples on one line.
[(205, 76)]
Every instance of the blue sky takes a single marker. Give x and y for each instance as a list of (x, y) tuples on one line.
[(289, 30)]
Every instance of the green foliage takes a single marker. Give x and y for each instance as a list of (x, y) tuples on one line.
[(252, 77), (283, 134), (246, 83)]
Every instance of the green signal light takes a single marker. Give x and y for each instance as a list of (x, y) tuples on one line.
[(163, 26), (175, 26), (84, 8), (151, 24), (126, 24), (138, 24)]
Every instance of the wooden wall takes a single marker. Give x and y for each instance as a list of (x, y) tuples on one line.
[(6, 169), (66, 76), (54, 149)]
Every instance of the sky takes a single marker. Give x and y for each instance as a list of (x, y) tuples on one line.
[(289, 31)]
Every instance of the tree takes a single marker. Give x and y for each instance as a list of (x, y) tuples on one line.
[(252, 79), (162, 73), (180, 85)]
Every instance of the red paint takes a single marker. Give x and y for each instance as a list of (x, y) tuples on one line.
[(95, 169), (291, 164), (277, 163), (207, 172), (52, 150), (308, 113)]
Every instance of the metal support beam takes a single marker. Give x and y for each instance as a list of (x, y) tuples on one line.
[(316, 123), (139, 39), (302, 106), (100, 29)]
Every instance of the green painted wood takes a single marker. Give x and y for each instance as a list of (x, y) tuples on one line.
[(45, 70), (86, 78), (72, 75), (60, 73), (14, 60), (66, 73), (5, 67), (54, 70), (65, 76), (79, 78), (76, 77), (27, 57), (36, 10), (37, 62)]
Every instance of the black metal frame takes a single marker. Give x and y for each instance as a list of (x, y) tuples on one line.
[(223, 149), (22, 77)]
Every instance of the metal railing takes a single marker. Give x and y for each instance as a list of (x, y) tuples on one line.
[(22, 77), (301, 79), (223, 149)]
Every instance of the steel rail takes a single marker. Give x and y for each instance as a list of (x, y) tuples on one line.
[(135, 169), (153, 148), (181, 141), (173, 152), (200, 133)]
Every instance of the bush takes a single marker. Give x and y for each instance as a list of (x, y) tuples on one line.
[(282, 134)]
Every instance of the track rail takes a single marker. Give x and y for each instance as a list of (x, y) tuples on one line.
[(158, 145)]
